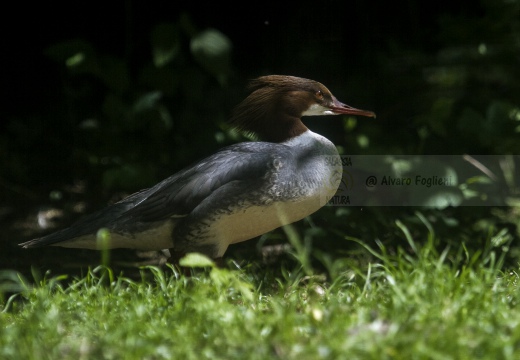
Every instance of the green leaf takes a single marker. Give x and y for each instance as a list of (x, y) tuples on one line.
[(66, 51), (212, 50), (196, 260), (441, 198), (77, 55), (165, 44)]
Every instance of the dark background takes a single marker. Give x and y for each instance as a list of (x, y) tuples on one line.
[(90, 114)]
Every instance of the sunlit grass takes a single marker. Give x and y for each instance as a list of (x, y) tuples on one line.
[(415, 304)]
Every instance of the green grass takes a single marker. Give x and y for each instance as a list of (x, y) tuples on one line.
[(415, 304)]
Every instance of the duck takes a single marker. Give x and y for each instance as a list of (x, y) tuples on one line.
[(236, 194)]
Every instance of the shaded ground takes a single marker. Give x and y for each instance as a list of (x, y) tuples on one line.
[(24, 217)]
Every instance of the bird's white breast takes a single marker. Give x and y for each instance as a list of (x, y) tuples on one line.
[(324, 176)]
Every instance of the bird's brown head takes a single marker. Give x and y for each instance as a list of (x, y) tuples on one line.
[(274, 108)]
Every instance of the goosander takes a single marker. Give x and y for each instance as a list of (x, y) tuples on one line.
[(240, 192)]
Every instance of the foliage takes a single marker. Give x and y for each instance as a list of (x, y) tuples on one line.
[(422, 304)]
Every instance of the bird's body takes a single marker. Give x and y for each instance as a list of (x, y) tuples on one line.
[(236, 194)]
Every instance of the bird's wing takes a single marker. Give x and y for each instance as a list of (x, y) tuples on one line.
[(179, 194)]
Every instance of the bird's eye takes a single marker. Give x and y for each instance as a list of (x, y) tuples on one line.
[(319, 94)]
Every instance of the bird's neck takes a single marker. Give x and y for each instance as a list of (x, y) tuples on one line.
[(268, 119), (278, 128)]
